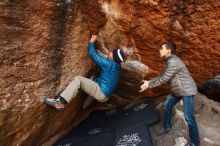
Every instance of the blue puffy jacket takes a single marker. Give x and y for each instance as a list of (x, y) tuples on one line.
[(109, 71)]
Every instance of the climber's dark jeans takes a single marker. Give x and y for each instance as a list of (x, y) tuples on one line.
[(188, 102)]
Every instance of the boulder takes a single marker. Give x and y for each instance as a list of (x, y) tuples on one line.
[(43, 46), (211, 88)]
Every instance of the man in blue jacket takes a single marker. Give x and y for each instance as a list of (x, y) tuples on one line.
[(104, 85)]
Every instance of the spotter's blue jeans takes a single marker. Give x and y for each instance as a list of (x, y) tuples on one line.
[(188, 102)]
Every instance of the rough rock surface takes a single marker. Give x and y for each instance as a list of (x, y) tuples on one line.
[(38, 51), (43, 47)]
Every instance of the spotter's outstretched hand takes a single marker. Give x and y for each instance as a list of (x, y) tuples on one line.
[(144, 86)]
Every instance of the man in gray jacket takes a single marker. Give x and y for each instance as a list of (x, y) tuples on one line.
[(182, 87)]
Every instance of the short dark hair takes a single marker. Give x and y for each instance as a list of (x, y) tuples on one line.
[(171, 45)]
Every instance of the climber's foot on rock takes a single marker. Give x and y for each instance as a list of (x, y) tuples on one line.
[(54, 103)]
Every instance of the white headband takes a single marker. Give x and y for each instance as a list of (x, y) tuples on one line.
[(119, 55)]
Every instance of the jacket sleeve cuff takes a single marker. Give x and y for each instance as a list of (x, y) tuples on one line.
[(151, 83)]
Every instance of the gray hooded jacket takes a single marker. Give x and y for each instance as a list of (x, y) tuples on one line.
[(182, 84)]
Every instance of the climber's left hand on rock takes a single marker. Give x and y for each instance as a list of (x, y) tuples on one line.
[(93, 38)]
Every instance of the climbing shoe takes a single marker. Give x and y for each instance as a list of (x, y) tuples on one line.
[(55, 103)]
